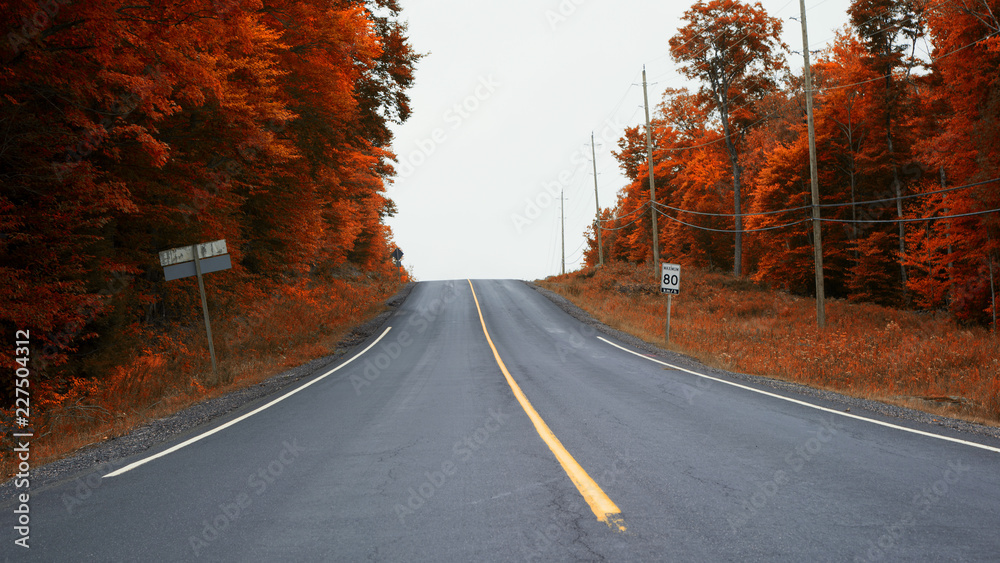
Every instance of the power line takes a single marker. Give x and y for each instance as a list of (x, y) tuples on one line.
[(920, 194), (792, 99), (639, 209), (797, 91), (578, 249), (757, 214), (620, 102), (626, 225), (721, 138), (825, 220), (832, 205), (914, 219), (733, 231), (745, 37), (717, 35), (884, 76)]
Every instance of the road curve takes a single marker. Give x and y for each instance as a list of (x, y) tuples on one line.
[(417, 449)]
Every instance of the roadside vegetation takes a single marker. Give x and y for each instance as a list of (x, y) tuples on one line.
[(921, 360), (129, 130), (167, 370)]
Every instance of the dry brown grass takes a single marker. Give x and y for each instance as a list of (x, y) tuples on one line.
[(919, 360), (171, 371)]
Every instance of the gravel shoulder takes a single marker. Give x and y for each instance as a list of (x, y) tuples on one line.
[(845, 403), (104, 457)]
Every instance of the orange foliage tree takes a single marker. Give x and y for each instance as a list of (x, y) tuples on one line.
[(892, 130), (735, 51), (957, 258), (131, 128)]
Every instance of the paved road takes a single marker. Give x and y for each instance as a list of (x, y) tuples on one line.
[(419, 450)]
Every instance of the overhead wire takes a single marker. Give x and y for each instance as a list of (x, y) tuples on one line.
[(621, 101), (829, 220), (574, 253), (716, 36), (782, 107), (831, 205), (917, 194), (797, 91), (639, 209), (620, 227), (817, 90), (734, 231), (755, 214), (913, 219)]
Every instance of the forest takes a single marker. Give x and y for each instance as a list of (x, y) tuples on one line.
[(906, 106), (128, 129)]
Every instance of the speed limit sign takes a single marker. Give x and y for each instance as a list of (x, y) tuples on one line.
[(670, 280)]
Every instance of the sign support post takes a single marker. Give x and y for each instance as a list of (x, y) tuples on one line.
[(397, 257), (198, 260), (670, 283), (670, 298), (204, 306)]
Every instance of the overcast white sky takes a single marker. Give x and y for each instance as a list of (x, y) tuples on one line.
[(504, 105)]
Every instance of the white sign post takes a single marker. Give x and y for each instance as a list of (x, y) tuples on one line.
[(670, 283), (196, 260)]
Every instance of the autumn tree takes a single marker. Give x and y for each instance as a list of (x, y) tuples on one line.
[(131, 128), (889, 30), (841, 76), (735, 51), (609, 235), (887, 135), (698, 235), (957, 257), (691, 165), (780, 209), (678, 123), (849, 169)]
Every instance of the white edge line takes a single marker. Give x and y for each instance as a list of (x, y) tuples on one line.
[(810, 405), (190, 441)]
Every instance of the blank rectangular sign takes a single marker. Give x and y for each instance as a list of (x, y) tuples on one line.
[(184, 254), (185, 269)]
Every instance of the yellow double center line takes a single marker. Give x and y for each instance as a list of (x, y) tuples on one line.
[(604, 508)]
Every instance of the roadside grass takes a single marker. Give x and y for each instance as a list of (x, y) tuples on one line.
[(169, 370), (913, 359)]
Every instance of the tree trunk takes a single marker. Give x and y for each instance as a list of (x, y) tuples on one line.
[(734, 160), (897, 186)]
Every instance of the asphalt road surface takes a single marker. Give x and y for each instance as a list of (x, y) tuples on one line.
[(422, 448)]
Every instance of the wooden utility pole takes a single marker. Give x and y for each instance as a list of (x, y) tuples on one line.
[(597, 223), (993, 295), (993, 289), (562, 226), (947, 211), (813, 176), (652, 181)]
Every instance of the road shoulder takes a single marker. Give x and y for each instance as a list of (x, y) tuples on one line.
[(108, 455), (832, 399)]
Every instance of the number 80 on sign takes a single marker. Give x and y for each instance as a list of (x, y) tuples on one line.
[(670, 279)]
